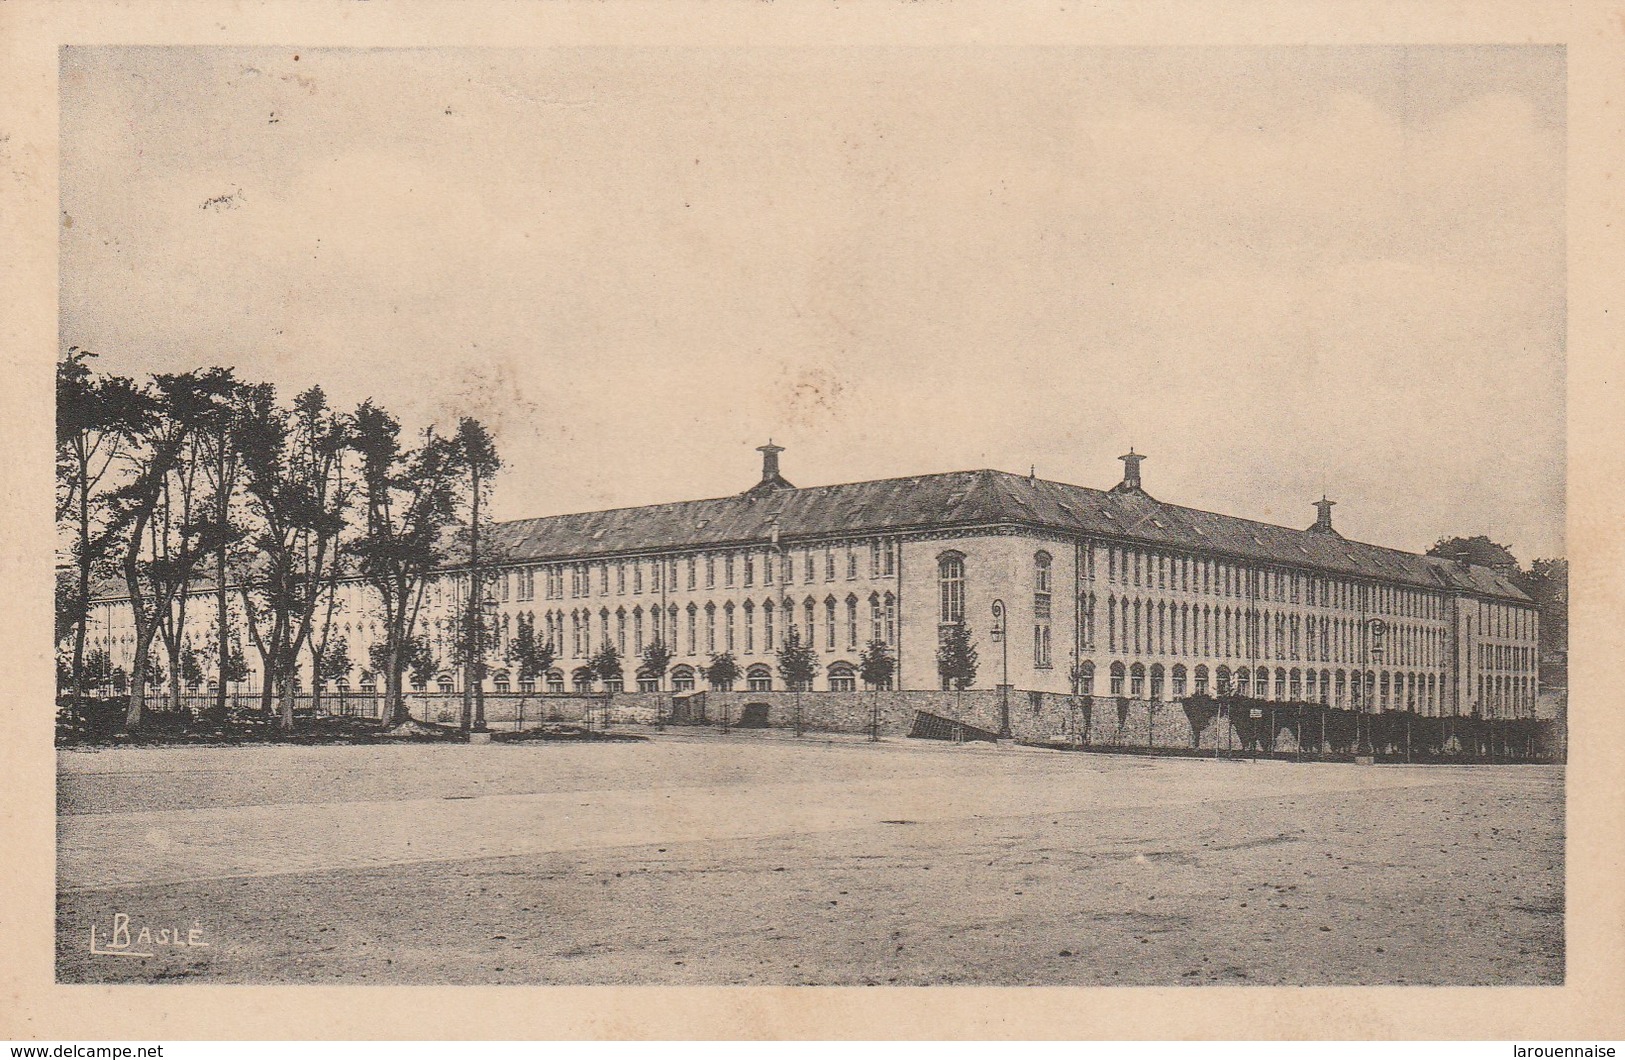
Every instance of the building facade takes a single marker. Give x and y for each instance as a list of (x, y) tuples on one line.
[(1063, 588)]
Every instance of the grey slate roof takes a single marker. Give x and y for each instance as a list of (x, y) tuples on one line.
[(962, 499)]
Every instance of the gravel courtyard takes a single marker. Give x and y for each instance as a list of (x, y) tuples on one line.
[(762, 859)]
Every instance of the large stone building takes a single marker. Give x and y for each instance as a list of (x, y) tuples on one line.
[(1114, 590)]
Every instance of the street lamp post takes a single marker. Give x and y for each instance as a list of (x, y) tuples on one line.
[(1001, 638)]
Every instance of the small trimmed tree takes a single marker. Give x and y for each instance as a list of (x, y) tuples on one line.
[(655, 661), (956, 664), (530, 656), (797, 665), (1082, 706), (876, 666), (605, 666), (956, 658)]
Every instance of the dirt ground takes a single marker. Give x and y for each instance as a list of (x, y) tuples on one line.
[(761, 859)]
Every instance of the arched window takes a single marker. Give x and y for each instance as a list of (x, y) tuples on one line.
[(1243, 681), (1179, 682), (1295, 692), (682, 679), (1156, 681), (759, 678), (1086, 679), (555, 681), (445, 684), (582, 679), (851, 621), (1280, 682), (1117, 672), (951, 588), (499, 681), (1041, 573), (1223, 679), (842, 678), (1201, 680), (1136, 681), (829, 623)]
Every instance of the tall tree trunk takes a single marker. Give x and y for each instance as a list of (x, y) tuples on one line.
[(138, 679), (174, 649), (476, 586), (222, 633), (394, 702), (316, 680), (285, 694), (82, 604)]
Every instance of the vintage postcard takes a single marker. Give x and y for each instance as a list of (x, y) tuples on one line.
[(910, 500)]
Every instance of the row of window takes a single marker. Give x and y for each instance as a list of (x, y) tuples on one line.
[(695, 629), (1382, 690), (825, 563), (1151, 569), (1166, 628)]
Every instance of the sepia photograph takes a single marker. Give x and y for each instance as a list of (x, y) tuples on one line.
[(971, 515)]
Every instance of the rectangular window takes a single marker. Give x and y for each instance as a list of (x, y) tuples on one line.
[(829, 624), (710, 629), (655, 576), (829, 565), (691, 572), (851, 563), (637, 576), (787, 569), (728, 569), (750, 569), (807, 566), (710, 572), (693, 645)]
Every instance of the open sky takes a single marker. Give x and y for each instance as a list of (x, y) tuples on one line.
[(1276, 271)]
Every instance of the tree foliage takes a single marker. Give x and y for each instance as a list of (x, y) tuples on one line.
[(877, 664), (957, 658), (723, 672), (531, 656), (798, 663)]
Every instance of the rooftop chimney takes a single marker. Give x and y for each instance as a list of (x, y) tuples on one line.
[(1131, 473), (1323, 521), (771, 479)]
